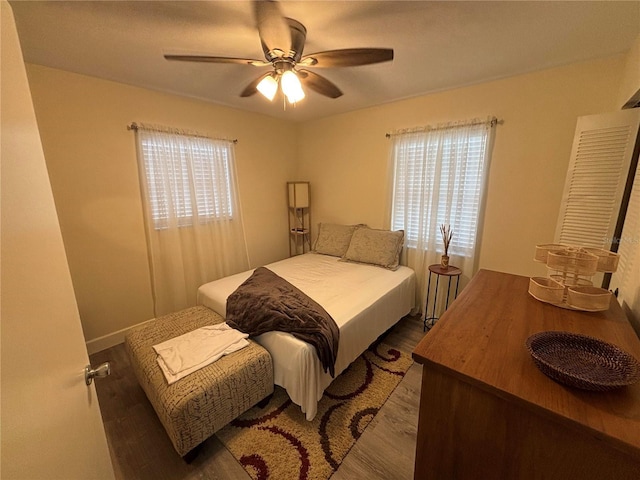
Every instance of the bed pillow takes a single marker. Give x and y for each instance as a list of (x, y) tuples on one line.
[(333, 239), (375, 247)]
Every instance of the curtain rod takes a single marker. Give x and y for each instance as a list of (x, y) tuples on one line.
[(492, 122), (134, 126)]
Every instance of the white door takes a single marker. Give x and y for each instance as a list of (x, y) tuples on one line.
[(602, 151), (50, 419), (595, 186)]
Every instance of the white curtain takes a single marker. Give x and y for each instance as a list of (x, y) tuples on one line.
[(439, 176), (627, 277), (192, 212)]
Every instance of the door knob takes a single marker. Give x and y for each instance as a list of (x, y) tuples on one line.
[(91, 373)]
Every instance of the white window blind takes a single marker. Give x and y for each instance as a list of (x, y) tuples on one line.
[(188, 178), (629, 243), (439, 180)]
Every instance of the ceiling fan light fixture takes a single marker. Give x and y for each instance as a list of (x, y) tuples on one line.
[(283, 40), (291, 86), (268, 87)]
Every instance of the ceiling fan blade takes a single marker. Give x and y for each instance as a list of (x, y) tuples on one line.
[(252, 88), (319, 84), (209, 59), (348, 57), (273, 28)]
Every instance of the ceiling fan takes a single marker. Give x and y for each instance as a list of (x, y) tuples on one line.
[(283, 41)]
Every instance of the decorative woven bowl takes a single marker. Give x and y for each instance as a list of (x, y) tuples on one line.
[(542, 251), (581, 361), (607, 261), (574, 261), (546, 290), (570, 280), (592, 299)]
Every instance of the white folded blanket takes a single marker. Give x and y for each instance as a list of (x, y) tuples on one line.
[(180, 356)]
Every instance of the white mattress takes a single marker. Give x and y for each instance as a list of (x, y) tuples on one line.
[(364, 301)]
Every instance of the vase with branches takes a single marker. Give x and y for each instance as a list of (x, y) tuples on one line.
[(447, 234)]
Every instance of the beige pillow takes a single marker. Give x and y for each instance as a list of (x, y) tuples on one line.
[(375, 247), (333, 239)]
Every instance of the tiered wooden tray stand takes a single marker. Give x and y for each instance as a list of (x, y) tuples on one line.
[(569, 281)]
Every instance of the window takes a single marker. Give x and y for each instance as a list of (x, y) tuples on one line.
[(192, 214), (629, 250), (439, 179), (188, 178)]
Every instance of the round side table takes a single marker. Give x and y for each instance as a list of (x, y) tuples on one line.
[(439, 271)]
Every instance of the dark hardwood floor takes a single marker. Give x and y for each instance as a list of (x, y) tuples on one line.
[(140, 448)]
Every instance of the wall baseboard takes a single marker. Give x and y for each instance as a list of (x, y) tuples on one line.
[(111, 340)]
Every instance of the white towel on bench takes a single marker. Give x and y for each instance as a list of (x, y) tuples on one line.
[(180, 356)]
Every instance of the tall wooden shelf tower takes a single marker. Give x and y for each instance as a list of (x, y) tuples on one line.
[(298, 198)]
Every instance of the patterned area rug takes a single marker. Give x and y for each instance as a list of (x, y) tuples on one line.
[(277, 442)]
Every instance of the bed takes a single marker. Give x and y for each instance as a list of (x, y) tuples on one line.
[(364, 299)]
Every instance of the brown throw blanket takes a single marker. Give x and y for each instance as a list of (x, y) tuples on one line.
[(267, 302)]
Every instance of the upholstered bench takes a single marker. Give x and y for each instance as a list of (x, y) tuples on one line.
[(196, 406)]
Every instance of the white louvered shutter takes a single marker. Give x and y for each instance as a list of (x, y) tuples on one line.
[(602, 150)]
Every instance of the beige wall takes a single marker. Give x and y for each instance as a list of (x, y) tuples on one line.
[(92, 164), (345, 157), (630, 79), (91, 159)]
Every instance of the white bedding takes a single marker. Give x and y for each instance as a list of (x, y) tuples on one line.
[(364, 301)]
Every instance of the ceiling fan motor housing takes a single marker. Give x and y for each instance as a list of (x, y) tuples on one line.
[(283, 39), (298, 36)]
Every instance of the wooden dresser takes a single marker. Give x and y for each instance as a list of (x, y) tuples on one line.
[(487, 412)]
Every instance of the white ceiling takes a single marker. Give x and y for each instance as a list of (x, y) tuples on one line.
[(438, 45)]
